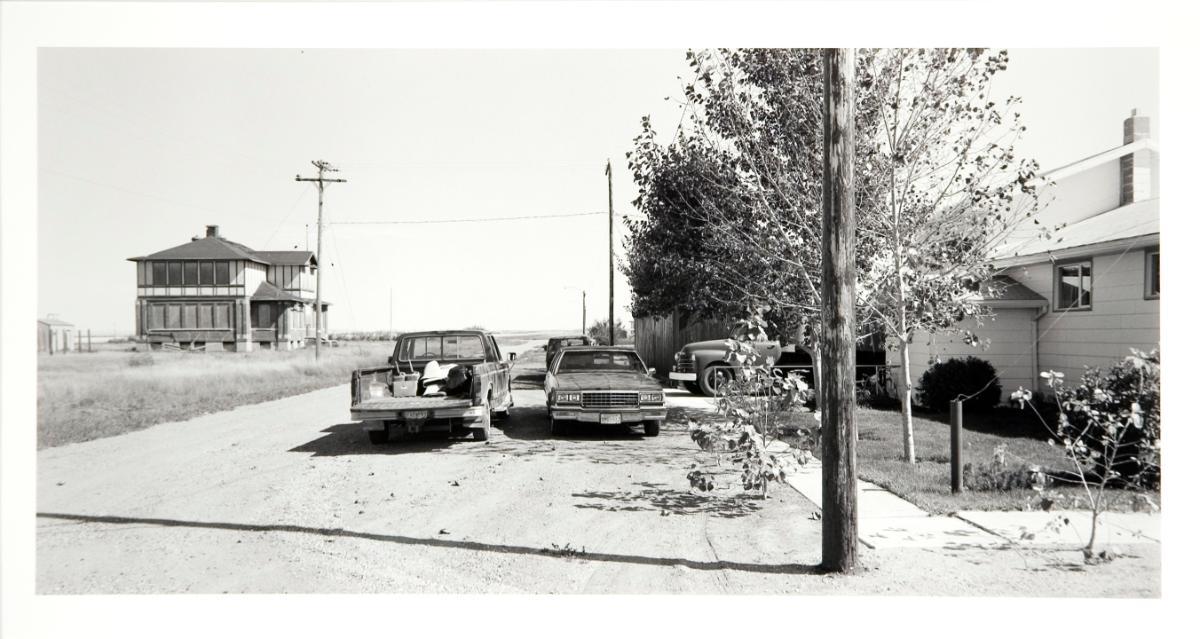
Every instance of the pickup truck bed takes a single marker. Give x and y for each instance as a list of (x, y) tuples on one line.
[(413, 403)]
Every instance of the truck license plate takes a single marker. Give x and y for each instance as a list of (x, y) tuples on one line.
[(416, 414), (610, 418)]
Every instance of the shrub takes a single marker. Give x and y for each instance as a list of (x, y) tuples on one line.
[(971, 378), (141, 359)]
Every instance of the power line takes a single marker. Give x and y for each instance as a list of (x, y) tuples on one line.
[(477, 219)]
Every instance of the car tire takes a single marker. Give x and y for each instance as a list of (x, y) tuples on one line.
[(693, 388), (379, 437), (651, 427), (484, 432), (707, 380)]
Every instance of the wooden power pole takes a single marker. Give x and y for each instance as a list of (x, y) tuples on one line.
[(583, 331), (839, 504), (322, 167), (612, 324)]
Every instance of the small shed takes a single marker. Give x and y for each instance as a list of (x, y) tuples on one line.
[(55, 334)]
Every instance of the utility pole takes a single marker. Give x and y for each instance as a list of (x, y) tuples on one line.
[(391, 307), (612, 324), (322, 167), (584, 330), (839, 503)]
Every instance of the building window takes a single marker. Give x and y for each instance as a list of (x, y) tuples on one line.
[(1152, 274), (221, 278), (1073, 284), (190, 274), (206, 273), (221, 316), (174, 273), (160, 274)]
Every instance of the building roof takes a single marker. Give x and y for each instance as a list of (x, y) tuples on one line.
[(215, 247), (1130, 225), (1006, 289), (268, 292), (287, 258), (51, 320), (206, 248), (1080, 166)]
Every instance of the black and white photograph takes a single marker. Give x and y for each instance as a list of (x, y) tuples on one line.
[(422, 307)]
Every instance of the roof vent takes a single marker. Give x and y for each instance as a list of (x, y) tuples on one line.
[(212, 230)]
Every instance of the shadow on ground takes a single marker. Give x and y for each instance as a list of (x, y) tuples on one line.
[(667, 501), (477, 546)]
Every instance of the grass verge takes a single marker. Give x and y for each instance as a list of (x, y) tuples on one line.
[(92, 395)]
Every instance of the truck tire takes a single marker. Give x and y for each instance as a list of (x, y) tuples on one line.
[(693, 388), (378, 437), (708, 379), (651, 427), (484, 432)]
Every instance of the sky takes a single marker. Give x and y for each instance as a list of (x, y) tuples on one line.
[(139, 149)]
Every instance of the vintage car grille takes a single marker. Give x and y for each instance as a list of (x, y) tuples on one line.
[(685, 366), (610, 399)]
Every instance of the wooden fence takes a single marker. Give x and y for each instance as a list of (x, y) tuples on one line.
[(657, 339)]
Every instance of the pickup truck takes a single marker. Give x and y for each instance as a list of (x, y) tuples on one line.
[(412, 394)]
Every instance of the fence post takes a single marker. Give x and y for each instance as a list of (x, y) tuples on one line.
[(89, 340), (956, 465)]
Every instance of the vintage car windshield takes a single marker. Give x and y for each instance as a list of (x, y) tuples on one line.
[(442, 347), (583, 361)]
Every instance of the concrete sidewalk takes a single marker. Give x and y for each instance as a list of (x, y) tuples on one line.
[(887, 521)]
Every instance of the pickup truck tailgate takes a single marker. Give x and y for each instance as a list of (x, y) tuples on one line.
[(412, 403)]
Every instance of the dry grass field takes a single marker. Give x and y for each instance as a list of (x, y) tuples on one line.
[(85, 396)]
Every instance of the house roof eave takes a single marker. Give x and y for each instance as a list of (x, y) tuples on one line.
[(1098, 248)]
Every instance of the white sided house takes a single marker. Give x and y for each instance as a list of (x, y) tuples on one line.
[(1086, 295)]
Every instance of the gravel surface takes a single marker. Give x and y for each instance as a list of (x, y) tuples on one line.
[(288, 496)]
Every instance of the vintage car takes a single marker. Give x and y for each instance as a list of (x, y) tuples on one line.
[(556, 344), (603, 385), (698, 364)]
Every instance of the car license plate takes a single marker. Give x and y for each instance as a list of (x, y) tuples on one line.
[(610, 418), (416, 414)]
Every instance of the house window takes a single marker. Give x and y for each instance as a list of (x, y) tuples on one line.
[(174, 273), (1073, 284), (1152, 274), (206, 273), (221, 278), (221, 316), (190, 275), (160, 274)]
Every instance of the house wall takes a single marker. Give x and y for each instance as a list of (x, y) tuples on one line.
[(1120, 318), (1006, 341)]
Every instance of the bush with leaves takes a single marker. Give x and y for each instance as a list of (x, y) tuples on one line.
[(754, 402), (1108, 428), (972, 378)]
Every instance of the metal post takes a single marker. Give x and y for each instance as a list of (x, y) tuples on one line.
[(583, 330), (956, 464), (612, 322)]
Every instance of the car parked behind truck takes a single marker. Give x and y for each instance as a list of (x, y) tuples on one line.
[(454, 382)]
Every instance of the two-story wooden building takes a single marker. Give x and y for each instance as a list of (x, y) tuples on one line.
[(215, 293)]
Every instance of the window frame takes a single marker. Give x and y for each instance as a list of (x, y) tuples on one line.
[(1056, 273), (1147, 292)]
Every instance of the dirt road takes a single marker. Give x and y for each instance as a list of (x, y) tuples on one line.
[(288, 496)]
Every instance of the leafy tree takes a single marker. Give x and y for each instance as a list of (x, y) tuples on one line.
[(954, 188), (598, 331), (731, 205)]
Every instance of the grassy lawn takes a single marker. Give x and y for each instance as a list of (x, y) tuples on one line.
[(84, 396), (927, 483)]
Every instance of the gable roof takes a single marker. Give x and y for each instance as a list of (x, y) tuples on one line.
[(1079, 166), (268, 292), (1132, 225)]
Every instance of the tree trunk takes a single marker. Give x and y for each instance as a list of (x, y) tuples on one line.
[(905, 388)]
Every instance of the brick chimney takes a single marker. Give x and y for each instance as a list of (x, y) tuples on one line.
[(1136, 169), (212, 230)]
